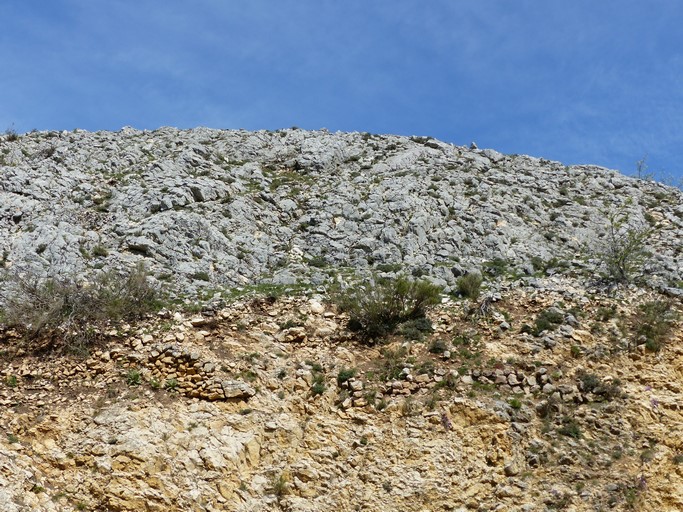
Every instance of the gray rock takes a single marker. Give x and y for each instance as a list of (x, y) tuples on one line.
[(254, 207), (237, 389)]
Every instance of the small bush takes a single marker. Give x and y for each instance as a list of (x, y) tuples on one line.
[(317, 262), (11, 134), (570, 428), (547, 320), (410, 407), (280, 484), (624, 252), (318, 387), (345, 374), (515, 403), (376, 309), (391, 364), (77, 311), (416, 329), (100, 251), (653, 322), (470, 285), (438, 347), (605, 313), (589, 382), (497, 267), (133, 377), (201, 276)]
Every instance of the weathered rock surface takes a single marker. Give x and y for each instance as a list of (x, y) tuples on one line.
[(495, 425), (210, 208)]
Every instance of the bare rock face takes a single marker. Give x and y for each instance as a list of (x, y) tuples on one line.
[(213, 208)]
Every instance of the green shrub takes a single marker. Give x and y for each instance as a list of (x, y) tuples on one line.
[(389, 267), (515, 403), (438, 347), (280, 484), (133, 377), (345, 374), (570, 428), (77, 311), (416, 329), (318, 387), (653, 322), (391, 364), (378, 307), (497, 267), (605, 313), (317, 262), (547, 320), (469, 285), (11, 134), (624, 252), (202, 275), (589, 382), (100, 251)]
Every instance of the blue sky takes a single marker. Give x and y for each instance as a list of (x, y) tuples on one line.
[(577, 81)]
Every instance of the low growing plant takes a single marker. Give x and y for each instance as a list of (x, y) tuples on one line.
[(378, 307), (345, 374), (653, 322), (74, 311), (547, 320), (469, 285)]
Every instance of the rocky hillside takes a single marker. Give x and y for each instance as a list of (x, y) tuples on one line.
[(558, 387), (271, 404), (209, 209)]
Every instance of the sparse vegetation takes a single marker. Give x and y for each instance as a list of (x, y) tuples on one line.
[(625, 250), (438, 346), (318, 387), (77, 312), (345, 374), (280, 484), (547, 320), (570, 428), (11, 134), (653, 322), (515, 403), (390, 365), (201, 276), (100, 251), (377, 308), (133, 377), (469, 285)]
